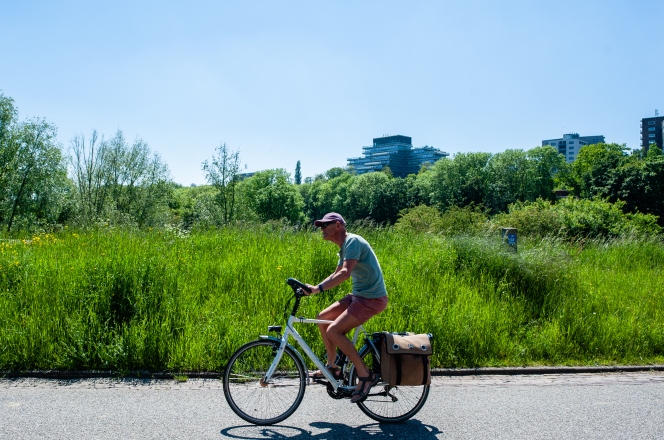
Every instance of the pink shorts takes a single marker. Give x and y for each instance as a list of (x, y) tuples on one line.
[(363, 308)]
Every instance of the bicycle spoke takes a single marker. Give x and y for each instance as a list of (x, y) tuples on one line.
[(391, 404), (253, 400)]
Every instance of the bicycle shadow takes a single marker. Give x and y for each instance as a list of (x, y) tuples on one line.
[(411, 429)]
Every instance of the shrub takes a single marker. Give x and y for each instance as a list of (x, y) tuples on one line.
[(572, 218), (467, 220), (421, 218)]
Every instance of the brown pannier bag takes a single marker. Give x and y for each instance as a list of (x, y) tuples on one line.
[(404, 358)]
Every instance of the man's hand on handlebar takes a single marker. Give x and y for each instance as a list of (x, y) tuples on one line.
[(299, 286), (314, 290)]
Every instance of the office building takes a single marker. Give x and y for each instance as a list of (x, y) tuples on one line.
[(397, 153), (571, 143), (652, 132)]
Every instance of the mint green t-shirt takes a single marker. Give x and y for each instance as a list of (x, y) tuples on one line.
[(366, 275)]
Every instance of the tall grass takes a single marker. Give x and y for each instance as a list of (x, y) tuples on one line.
[(165, 300)]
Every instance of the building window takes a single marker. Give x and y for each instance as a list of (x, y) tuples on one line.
[(651, 128), (651, 122), (651, 135)]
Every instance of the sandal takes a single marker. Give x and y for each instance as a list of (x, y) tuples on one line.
[(336, 373), (363, 392)]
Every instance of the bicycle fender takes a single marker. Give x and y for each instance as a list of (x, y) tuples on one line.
[(297, 353)]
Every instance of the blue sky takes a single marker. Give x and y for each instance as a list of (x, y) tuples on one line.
[(283, 81)]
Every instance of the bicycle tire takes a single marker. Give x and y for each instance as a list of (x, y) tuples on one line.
[(384, 408), (248, 398)]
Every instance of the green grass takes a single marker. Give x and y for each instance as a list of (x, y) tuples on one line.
[(163, 300)]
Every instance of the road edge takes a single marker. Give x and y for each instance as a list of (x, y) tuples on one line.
[(486, 371)]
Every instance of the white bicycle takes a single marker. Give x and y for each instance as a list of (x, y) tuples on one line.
[(264, 380)]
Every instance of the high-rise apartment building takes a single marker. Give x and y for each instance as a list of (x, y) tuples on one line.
[(397, 153), (571, 143), (652, 132)]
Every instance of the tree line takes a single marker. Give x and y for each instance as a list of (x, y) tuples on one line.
[(114, 181)]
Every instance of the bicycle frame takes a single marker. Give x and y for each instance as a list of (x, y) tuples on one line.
[(253, 367), (290, 331)]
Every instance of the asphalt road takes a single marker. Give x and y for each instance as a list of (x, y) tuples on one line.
[(570, 406)]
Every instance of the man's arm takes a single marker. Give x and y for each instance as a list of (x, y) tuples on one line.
[(341, 274)]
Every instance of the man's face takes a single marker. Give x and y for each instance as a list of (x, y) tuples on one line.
[(328, 229)]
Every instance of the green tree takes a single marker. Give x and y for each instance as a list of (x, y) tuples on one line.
[(34, 176), (196, 206), (8, 145), (87, 164), (551, 169), (515, 175), (223, 172), (606, 171), (654, 152), (642, 183), (511, 177), (365, 195), (595, 172), (377, 197), (269, 195), (335, 172), (7, 116), (119, 182), (460, 181), (298, 173), (327, 193)]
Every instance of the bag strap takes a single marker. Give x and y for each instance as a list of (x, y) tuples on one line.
[(425, 369), (399, 371)]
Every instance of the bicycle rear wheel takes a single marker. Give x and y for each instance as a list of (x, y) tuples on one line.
[(389, 404), (250, 397)]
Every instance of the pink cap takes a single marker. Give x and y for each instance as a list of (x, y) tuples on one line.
[(330, 217)]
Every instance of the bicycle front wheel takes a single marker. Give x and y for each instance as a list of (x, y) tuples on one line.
[(246, 391), (389, 404)]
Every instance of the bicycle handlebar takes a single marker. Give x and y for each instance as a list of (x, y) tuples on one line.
[(297, 285), (298, 289)]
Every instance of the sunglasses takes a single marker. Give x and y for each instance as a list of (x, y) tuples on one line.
[(325, 225)]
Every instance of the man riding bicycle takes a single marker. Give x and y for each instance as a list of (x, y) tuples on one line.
[(358, 261)]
